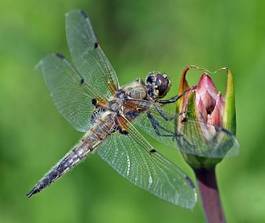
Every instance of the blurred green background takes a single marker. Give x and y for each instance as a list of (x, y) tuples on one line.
[(138, 37)]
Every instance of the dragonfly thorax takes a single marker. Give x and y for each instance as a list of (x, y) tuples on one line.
[(135, 90), (115, 105)]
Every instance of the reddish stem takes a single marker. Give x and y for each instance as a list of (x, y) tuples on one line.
[(206, 179)]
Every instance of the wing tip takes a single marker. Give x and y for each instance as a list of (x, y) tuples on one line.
[(37, 66), (192, 204), (77, 11), (185, 199), (71, 12), (58, 55), (83, 13), (190, 182)]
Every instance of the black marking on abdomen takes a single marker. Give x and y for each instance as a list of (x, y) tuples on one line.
[(68, 162), (96, 45)]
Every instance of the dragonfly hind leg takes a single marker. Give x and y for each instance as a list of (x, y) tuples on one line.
[(157, 127), (164, 115)]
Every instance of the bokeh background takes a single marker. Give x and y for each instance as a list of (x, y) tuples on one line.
[(138, 37)]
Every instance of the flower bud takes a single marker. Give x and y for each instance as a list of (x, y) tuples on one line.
[(207, 121)]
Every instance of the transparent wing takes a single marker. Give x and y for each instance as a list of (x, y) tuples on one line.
[(71, 95), (162, 124), (161, 127), (87, 54), (206, 140), (135, 159)]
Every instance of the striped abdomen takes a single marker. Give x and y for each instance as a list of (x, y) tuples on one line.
[(102, 127)]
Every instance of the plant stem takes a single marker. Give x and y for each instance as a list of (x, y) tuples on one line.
[(206, 179)]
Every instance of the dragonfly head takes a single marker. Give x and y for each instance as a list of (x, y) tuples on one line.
[(157, 84)]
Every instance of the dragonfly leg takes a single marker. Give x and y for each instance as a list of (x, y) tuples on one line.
[(164, 115), (170, 100), (157, 127), (177, 97)]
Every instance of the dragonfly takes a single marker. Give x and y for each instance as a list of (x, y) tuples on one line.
[(88, 95)]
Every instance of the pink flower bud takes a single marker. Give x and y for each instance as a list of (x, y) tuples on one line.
[(209, 102), (206, 122)]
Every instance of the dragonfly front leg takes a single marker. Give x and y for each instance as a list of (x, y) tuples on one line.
[(170, 100), (177, 97)]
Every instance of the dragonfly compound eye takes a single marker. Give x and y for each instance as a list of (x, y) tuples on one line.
[(150, 79), (158, 84), (162, 84)]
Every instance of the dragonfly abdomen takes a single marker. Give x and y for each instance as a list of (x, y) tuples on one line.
[(70, 160), (95, 135)]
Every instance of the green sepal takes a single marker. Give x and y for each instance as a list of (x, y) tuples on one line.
[(229, 118)]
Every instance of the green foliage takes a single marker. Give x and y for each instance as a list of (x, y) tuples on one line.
[(138, 37)]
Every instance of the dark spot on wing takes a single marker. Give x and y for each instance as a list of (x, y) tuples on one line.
[(94, 101), (123, 131), (152, 151), (83, 14), (82, 81), (59, 55), (96, 45), (189, 181)]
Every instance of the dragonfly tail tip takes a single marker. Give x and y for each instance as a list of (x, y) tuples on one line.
[(32, 192)]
